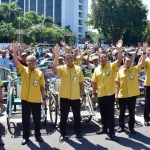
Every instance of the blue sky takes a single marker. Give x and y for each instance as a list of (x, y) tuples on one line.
[(146, 2)]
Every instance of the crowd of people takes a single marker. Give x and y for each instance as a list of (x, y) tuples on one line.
[(114, 75)]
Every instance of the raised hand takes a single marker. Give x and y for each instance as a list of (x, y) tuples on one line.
[(119, 44), (89, 52), (62, 43), (145, 45), (15, 47), (56, 51)]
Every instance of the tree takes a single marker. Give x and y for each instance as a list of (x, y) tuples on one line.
[(116, 17), (9, 11), (147, 33)]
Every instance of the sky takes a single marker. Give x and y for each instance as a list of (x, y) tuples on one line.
[(146, 2)]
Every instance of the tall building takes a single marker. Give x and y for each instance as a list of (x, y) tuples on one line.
[(71, 13)]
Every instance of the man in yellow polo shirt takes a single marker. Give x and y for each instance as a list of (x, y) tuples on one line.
[(1, 107), (104, 82), (71, 83), (32, 91), (147, 91), (127, 90)]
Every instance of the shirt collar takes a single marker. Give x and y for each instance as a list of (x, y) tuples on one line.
[(31, 70), (69, 67), (130, 69), (104, 66)]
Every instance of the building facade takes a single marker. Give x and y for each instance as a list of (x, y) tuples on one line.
[(71, 13)]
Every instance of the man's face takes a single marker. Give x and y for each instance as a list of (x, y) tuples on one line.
[(103, 59), (95, 62), (75, 54), (69, 59), (31, 62), (61, 61), (3, 54), (24, 57), (128, 62)]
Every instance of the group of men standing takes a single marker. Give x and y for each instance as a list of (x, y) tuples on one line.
[(106, 76)]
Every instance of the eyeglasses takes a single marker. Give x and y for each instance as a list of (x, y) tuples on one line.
[(104, 57), (68, 57), (31, 60)]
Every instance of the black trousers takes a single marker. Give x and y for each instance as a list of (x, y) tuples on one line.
[(128, 103), (27, 108), (106, 105), (147, 103), (65, 105), (0, 132)]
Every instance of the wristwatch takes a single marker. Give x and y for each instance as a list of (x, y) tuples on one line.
[(84, 95), (44, 99)]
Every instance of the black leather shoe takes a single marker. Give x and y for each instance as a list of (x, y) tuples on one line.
[(132, 131), (79, 137), (121, 130), (2, 142), (146, 123), (101, 131), (39, 139), (113, 137), (24, 141), (62, 138)]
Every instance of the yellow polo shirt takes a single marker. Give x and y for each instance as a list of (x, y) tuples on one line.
[(70, 78), (147, 68), (31, 82), (77, 60), (105, 79), (128, 80), (1, 83)]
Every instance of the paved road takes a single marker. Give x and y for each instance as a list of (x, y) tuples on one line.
[(140, 141)]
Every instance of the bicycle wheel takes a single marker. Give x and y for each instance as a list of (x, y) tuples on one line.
[(53, 109)]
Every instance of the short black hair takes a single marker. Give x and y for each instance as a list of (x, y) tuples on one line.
[(128, 56), (67, 53)]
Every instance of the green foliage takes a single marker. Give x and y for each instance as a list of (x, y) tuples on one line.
[(118, 18), (147, 33), (31, 25)]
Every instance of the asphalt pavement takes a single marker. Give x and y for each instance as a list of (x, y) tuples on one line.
[(91, 141)]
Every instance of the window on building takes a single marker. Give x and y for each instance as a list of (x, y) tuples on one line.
[(58, 12), (26, 6), (40, 7), (7, 1), (49, 8), (80, 7), (80, 14), (33, 5), (21, 4), (80, 29)]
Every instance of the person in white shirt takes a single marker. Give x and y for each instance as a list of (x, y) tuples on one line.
[(4, 60), (95, 60)]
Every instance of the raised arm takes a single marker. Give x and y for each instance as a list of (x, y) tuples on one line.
[(84, 53), (15, 48), (119, 48), (56, 54), (87, 60), (142, 62)]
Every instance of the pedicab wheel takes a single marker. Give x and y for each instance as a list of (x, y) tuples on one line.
[(53, 109), (7, 106), (8, 123)]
